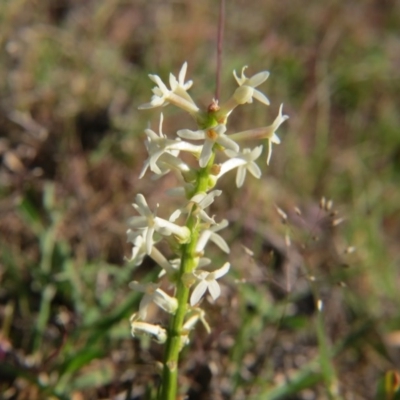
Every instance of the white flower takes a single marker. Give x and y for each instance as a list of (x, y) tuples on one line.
[(210, 234), (158, 257), (139, 251), (273, 137), (176, 263), (211, 136), (152, 293), (181, 191), (246, 90), (267, 132), (139, 247), (208, 281), (158, 145), (177, 95), (139, 327), (201, 201), (168, 161), (150, 223), (195, 314), (243, 162)]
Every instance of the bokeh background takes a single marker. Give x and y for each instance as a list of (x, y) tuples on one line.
[(72, 74)]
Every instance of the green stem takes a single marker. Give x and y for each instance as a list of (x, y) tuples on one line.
[(188, 264)]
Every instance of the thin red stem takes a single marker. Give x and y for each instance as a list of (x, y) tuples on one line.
[(221, 24)]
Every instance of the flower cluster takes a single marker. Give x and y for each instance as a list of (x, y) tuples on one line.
[(190, 274)]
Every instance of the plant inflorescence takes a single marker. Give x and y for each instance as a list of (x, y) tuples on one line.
[(190, 228)]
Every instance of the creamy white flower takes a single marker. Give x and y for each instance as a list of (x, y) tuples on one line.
[(159, 145), (210, 234), (204, 200), (150, 223), (194, 315), (267, 132), (177, 95), (176, 263), (208, 281), (243, 162), (168, 161), (158, 257), (181, 191), (139, 247), (201, 201), (139, 251), (210, 137), (139, 327), (246, 91), (152, 293), (273, 137)]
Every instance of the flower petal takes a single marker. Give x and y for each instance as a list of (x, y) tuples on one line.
[(198, 292), (182, 74), (220, 242), (167, 303), (137, 222), (230, 164), (191, 135), (149, 239), (206, 153), (228, 143), (203, 239), (142, 206), (258, 79), (214, 289), (254, 169), (222, 271), (261, 97), (240, 176)]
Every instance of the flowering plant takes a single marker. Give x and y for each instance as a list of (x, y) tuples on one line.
[(189, 239)]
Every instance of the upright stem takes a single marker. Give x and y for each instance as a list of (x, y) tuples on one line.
[(188, 264), (221, 23), (188, 258)]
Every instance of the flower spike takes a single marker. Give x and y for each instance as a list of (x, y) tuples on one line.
[(187, 274)]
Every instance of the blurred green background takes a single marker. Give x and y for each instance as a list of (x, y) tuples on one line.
[(72, 74)]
